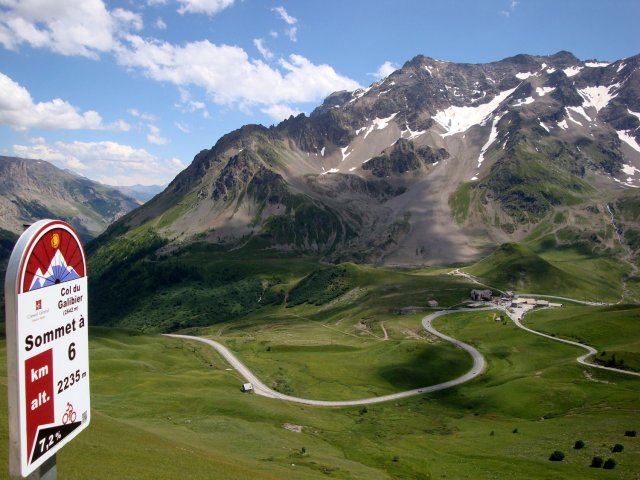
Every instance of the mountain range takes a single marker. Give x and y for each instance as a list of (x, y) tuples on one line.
[(436, 163), (31, 190)]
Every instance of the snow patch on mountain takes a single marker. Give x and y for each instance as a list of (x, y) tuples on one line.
[(380, 123), (523, 101), (545, 127), (580, 110), (629, 169), (597, 97), (571, 118), (628, 139), (634, 113), (563, 125), (542, 91), (359, 93), (492, 137), (596, 64), (410, 134), (621, 66), (571, 71), (344, 152), (460, 119)]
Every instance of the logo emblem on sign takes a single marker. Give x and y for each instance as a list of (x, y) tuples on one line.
[(38, 304)]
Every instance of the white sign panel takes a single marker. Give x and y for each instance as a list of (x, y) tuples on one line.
[(47, 343)]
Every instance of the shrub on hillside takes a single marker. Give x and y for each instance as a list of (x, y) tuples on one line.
[(578, 445), (596, 462), (610, 464), (630, 433), (557, 456), (617, 448)]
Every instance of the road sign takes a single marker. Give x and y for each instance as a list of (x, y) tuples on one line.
[(47, 344)]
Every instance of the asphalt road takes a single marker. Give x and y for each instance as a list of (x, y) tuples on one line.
[(581, 359), (479, 365)]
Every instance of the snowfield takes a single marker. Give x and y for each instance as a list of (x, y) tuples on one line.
[(460, 119)]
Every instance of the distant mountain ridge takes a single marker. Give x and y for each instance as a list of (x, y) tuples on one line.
[(31, 190), (142, 193), (434, 164)]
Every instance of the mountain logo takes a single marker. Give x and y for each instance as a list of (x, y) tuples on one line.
[(56, 257)]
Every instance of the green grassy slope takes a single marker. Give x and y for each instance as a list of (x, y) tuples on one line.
[(612, 330), (563, 272), (165, 409)]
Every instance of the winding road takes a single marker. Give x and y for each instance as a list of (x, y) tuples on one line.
[(479, 364), (581, 359)]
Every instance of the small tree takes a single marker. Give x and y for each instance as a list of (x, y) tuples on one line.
[(578, 445), (596, 462), (557, 456), (630, 433), (617, 448), (610, 464), (515, 430)]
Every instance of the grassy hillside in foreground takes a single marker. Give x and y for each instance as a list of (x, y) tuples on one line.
[(165, 409)]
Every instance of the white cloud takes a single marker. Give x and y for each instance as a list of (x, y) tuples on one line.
[(108, 162), (188, 105), (264, 51), (386, 69), (149, 117), (285, 16), (160, 24), (210, 7), (19, 111), (69, 27), (273, 33), (154, 136), (183, 127), (511, 8), (229, 76), (280, 112), (292, 33)]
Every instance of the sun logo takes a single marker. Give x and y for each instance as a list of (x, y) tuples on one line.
[(55, 240)]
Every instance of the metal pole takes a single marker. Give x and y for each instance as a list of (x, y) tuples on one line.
[(47, 471)]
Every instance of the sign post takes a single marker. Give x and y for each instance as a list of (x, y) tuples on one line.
[(47, 347)]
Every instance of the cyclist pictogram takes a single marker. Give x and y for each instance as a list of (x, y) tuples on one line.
[(69, 416)]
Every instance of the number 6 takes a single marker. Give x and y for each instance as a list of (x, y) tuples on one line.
[(72, 351)]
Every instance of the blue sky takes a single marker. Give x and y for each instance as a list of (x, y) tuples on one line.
[(127, 92)]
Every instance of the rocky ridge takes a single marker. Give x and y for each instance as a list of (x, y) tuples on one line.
[(380, 174)]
